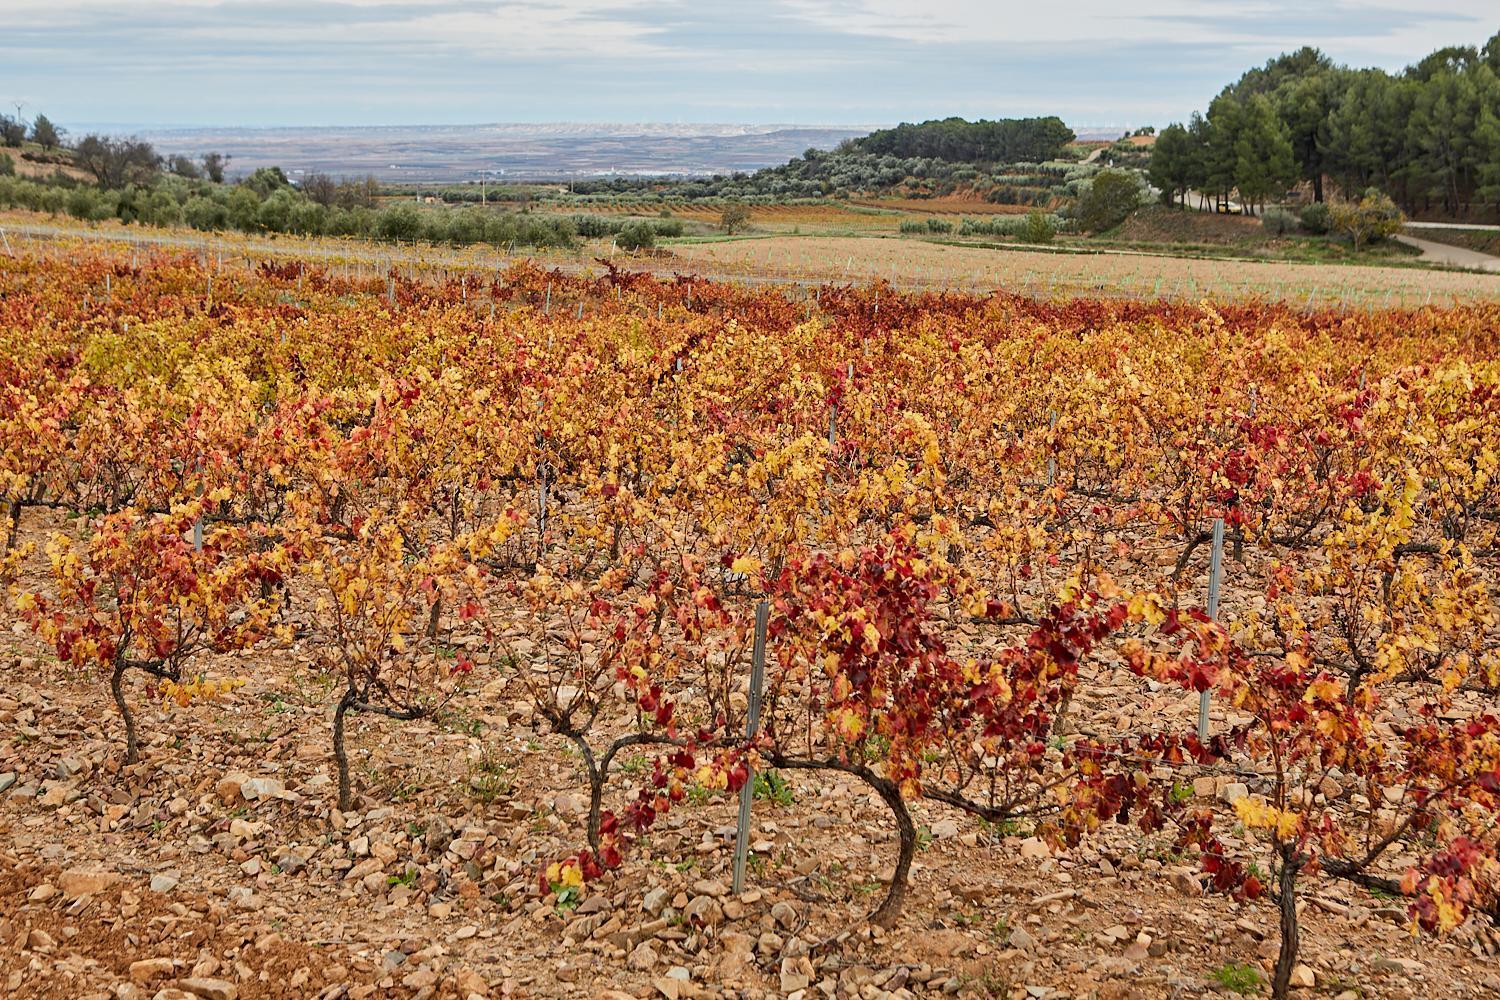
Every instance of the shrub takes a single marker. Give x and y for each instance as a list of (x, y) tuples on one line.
[(244, 210), (89, 205), (913, 226), (1037, 227), (7, 165), (1108, 200), (464, 226), (636, 236), (400, 222), (594, 227), (205, 214), (1013, 226), (1371, 219), (1278, 221), (275, 212), (1315, 218), (161, 209), (307, 217)]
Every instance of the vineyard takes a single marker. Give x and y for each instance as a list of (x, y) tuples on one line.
[(379, 636)]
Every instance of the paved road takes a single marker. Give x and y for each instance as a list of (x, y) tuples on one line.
[(1451, 256)]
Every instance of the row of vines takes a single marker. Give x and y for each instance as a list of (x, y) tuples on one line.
[(959, 508)]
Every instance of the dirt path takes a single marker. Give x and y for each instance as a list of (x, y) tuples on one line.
[(1451, 256), (1453, 225)]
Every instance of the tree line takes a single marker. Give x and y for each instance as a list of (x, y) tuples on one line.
[(14, 132), (956, 140), (1428, 136)]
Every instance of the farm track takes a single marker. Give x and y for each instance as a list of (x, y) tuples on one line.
[(1452, 256)]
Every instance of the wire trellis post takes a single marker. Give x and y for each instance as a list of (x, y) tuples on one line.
[(752, 723)]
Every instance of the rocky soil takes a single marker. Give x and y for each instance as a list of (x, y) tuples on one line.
[(218, 868)]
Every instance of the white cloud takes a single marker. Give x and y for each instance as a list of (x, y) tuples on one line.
[(1390, 28), (506, 28)]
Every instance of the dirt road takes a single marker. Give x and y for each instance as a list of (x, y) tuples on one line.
[(1451, 256)]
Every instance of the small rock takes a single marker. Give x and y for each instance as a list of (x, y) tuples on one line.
[(163, 882), (1140, 948), (643, 958), (1019, 938), (1034, 847), (1185, 882), (672, 989), (471, 983), (7, 780), (261, 788), (209, 989), (1233, 792), (81, 883), (1405, 966), (1250, 927), (738, 956), (703, 909), (791, 982), (655, 900), (439, 834), (1303, 977), (945, 829), (148, 969), (785, 914), (55, 797), (597, 903), (228, 787)]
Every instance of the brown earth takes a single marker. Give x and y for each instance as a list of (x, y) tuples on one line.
[(1158, 224), (943, 206), (924, 264), (37, 164)]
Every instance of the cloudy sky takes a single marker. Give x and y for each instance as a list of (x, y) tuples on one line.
[(862, 62)]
